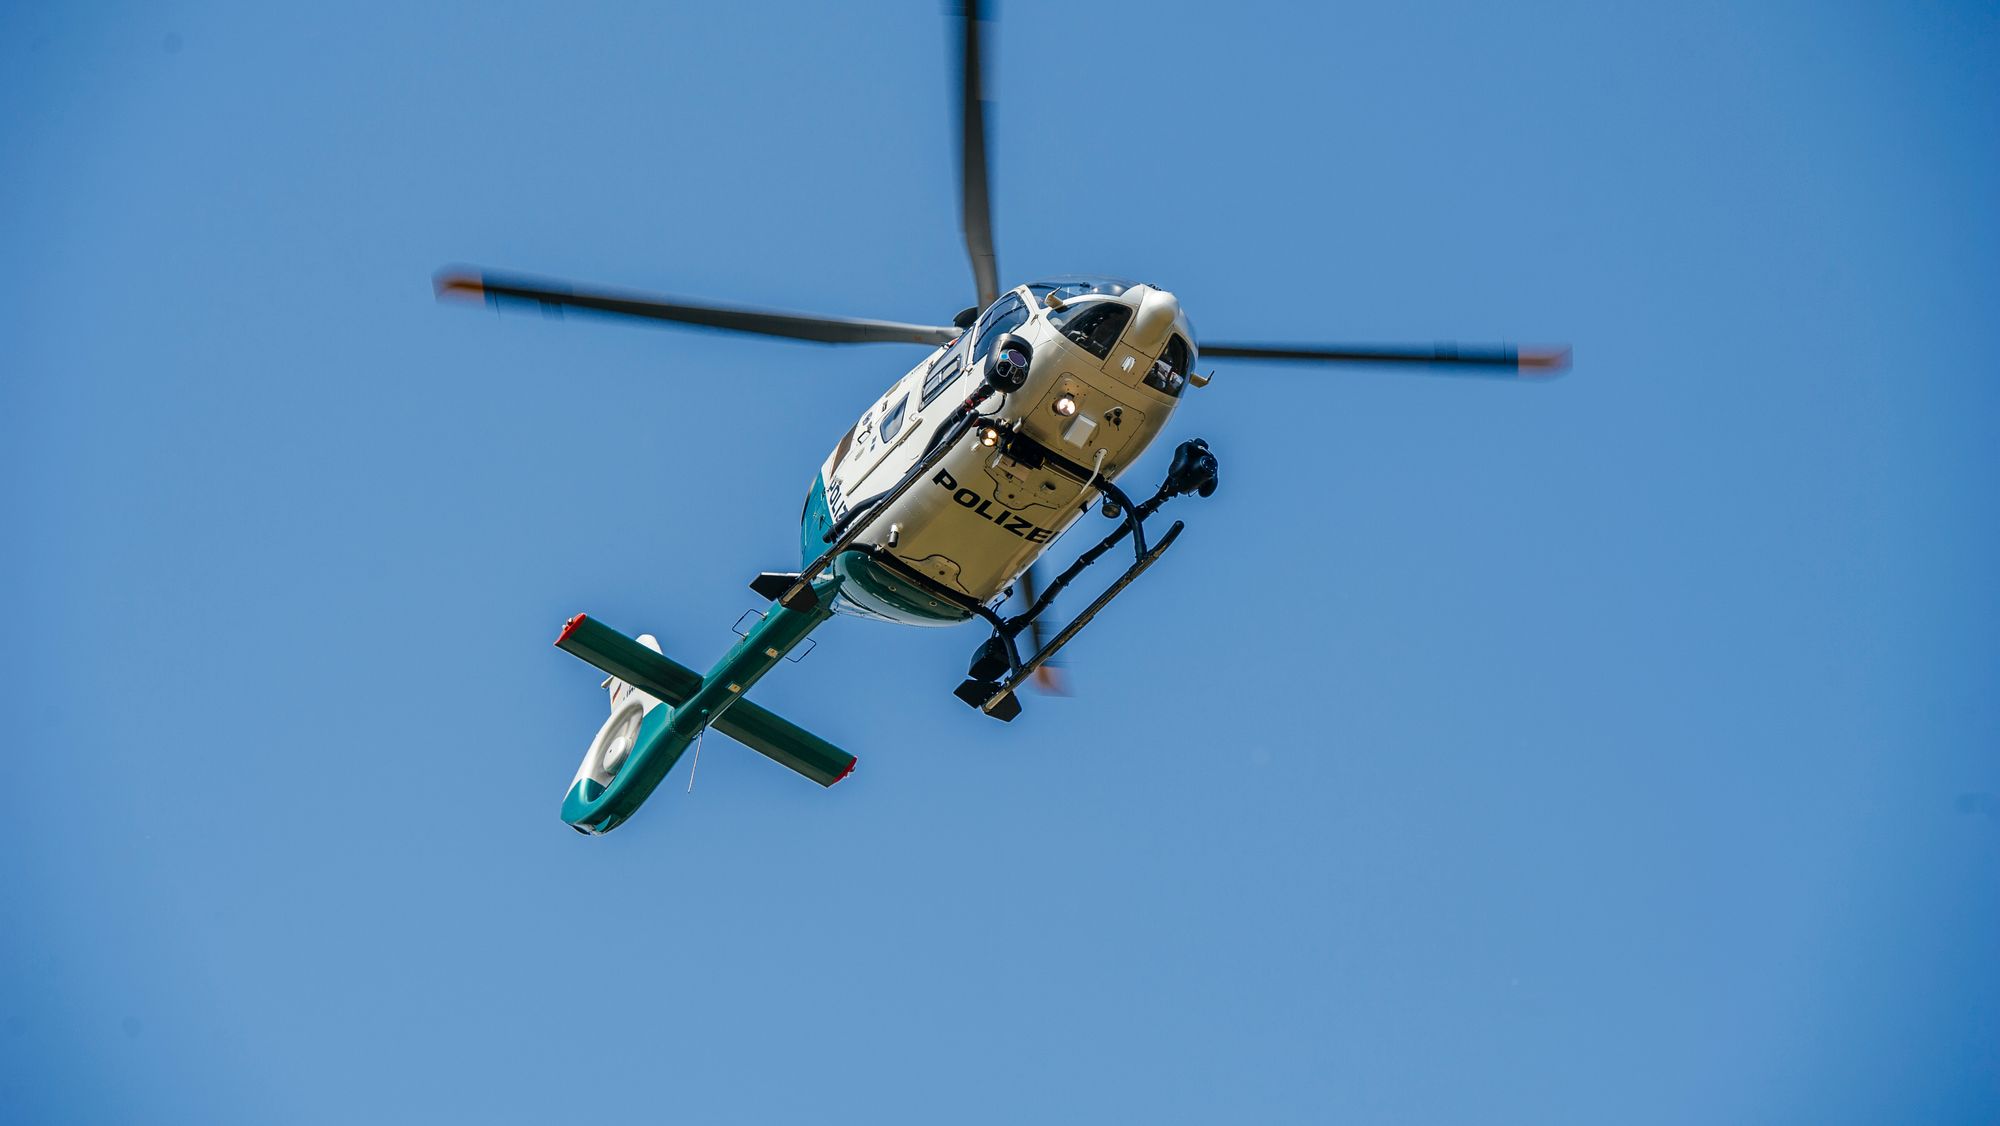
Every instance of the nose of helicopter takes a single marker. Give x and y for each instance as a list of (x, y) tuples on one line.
[(1158, 314)]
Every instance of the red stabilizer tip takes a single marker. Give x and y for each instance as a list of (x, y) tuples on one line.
[(843, 774), (569, 627)]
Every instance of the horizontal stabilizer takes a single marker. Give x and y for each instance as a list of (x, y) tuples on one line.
[(772, 585), (765, 732)]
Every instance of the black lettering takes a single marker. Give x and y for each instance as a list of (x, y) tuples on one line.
[(966, 498)]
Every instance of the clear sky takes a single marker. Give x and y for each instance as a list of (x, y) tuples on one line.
[(1616, 749)]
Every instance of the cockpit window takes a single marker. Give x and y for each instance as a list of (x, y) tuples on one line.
[(1170, 371), (1007, 314), (892, 420), (945, 369), (1094, 326)]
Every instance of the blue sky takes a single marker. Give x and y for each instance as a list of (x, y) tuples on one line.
[(1615, 749)]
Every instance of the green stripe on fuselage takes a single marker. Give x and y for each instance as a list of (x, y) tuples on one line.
[(869, 589)]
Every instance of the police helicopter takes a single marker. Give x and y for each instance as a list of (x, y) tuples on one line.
[(1024, 414)]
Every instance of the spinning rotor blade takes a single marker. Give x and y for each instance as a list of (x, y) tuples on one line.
[(496, 288), (975, 216), (1049, 678), (1472, 359)]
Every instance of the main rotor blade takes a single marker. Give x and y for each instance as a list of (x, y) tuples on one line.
[(496, 288), (1501, 360), (975, 216), (1049, 677)]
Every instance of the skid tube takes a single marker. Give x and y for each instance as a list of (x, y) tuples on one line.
[(1193, 471), (999, 700)]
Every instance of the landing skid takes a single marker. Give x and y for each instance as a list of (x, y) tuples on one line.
[(999, 700), (997, 669)]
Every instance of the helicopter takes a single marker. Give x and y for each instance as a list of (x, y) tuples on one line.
[(936, 506)]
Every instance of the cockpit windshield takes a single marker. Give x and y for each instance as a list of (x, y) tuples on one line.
[(1093, 326), (1070, 286)]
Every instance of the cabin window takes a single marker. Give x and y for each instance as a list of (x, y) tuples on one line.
[(944, 370), (1095, 326), (1170, 371), (892, 420), (1007, 314)]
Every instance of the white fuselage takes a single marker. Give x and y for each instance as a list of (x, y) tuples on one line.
[(981, 516)]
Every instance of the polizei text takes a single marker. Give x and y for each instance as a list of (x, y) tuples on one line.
[(973, 502)]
